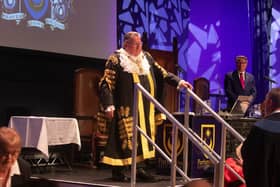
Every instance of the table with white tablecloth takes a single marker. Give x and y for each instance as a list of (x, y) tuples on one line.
[(41, 132)]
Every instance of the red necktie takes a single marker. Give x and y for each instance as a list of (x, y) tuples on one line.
[(242, 82)]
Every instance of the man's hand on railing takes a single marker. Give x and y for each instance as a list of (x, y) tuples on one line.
[(185, 84)]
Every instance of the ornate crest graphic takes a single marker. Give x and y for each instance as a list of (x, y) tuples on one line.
[(59, 14), (11, 10), (54, 13), (9, 4), (36, 8)]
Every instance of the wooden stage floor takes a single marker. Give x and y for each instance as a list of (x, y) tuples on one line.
[(94, 176)]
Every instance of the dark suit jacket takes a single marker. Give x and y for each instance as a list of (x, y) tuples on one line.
[(233, 87), (261, 153), (25, 170)]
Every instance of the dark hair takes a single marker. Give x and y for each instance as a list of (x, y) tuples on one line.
[(240, 57)]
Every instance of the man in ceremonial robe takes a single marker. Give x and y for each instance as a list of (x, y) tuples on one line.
[(123, 68)]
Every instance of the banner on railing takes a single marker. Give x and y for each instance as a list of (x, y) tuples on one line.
[(164, 140), (199, 165), (209, 130)]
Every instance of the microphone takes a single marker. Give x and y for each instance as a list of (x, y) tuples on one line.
[(270, 80), (180, 69)]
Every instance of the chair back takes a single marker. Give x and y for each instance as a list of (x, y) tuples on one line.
[(202, 89), (86, 108), (169, 61)]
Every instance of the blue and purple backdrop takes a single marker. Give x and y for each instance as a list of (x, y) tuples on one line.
[(210, 35)]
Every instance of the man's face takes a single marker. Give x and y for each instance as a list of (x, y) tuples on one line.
[(241, 65), (8, 157), (134, 46)]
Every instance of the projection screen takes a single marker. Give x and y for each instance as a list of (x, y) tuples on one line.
[(83, 28)]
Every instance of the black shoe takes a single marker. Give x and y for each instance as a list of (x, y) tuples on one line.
[(143, 176), (119, 176)]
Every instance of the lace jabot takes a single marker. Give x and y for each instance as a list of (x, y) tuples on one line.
[(134, 64)]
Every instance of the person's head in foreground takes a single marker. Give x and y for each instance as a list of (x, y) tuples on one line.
[(10, 146), (272, 101)]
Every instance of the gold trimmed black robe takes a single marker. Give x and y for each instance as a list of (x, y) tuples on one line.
[(117, 89)]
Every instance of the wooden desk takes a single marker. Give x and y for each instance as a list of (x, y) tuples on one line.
[(243, 126)]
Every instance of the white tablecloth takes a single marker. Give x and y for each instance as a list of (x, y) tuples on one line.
[(41, 132)]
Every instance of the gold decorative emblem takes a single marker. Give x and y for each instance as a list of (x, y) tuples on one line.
[(167, 140), (207, 133)]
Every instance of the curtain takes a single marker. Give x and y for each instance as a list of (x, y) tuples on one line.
[(260, 13)]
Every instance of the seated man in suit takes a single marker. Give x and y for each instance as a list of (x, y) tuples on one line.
[(239, 82), (10, 171), (261, 149)]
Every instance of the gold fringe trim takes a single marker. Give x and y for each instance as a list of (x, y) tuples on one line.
[(160, 118), (163, 71), (122, 162)]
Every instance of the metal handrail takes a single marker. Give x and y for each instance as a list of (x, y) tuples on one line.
[(215, 158), (219, 180)]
